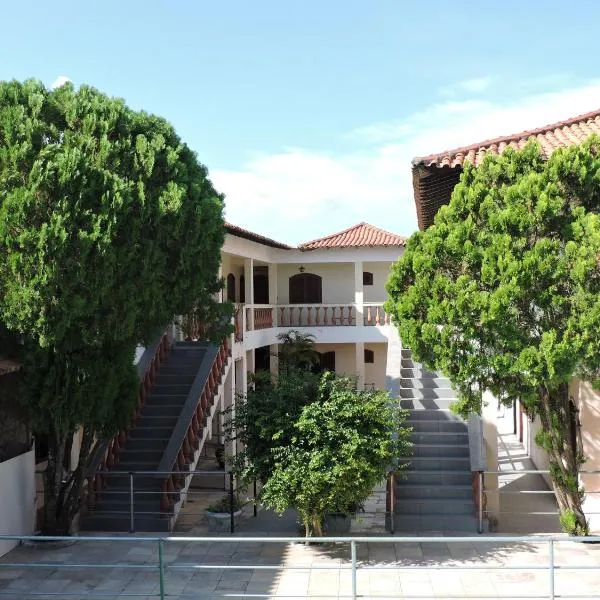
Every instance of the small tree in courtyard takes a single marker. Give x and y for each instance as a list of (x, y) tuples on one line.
[(502, 293), (342, 445), (109, 226)]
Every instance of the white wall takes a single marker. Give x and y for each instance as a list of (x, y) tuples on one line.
[(375, 372), (381, 271), (338, 281), (345, 358), (17, 498), (587, 401)]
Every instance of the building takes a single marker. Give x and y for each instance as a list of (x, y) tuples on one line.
[(434, 178)]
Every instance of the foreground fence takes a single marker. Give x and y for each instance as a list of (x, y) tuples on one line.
[(259, 567)]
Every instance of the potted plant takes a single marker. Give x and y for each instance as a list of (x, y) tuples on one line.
[(339, 522), (218, 514)]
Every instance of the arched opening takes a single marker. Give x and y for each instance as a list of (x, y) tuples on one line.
[(306, 288), (231, 287)]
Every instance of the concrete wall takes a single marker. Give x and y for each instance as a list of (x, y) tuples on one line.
[(345, 360), (381, 271), (375, 373), (587, 401), (338, 281), (17, 498)]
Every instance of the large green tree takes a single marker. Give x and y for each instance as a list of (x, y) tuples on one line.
[(109, 226), (502, 293)]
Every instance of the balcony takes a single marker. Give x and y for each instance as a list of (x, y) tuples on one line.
[(267, 316)]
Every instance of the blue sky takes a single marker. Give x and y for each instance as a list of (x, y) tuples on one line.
[(307, 113)]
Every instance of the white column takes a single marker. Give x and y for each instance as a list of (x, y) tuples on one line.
[(360, 365), (272, 273), (249, 281), (358, 295), (489, 415), (274, 359)]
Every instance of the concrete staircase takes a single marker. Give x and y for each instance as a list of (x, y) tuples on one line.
[(435, 495), (144, 449)]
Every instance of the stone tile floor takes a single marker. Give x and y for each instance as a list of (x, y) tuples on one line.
[(233, 567)]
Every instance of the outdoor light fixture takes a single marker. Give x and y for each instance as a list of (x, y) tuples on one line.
[(301, 269)]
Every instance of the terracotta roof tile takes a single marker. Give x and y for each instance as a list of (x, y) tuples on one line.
[(360, 235), (254, 237), (557, 135)]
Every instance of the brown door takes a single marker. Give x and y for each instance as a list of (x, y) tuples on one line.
[(306, 288)]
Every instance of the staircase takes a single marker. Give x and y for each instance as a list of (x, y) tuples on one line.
[(435, 495), (166, 414)]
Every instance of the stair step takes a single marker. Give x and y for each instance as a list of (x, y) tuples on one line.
[(437, 426), (439, 437), (439, 478), (155, 421), (410, 372), (150, 432), (408, 490), (161, 410), (433, 415), (429, 383), (427, 393), (129, 454), (439, 463), (171, 389), (409, 522), (441, 450), (431, 404), (149, 443), (435, 506), (153, 398)]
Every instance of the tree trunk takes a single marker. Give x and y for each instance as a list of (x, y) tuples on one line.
[(556, 439), (64, 491)]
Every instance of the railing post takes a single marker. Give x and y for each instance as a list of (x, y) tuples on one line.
[(480, 516), (161, 570), (255, 505), (231, 507), (551, 559), (353, 556), (131, 505)]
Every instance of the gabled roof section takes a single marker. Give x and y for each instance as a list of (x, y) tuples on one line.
[(550, 137), (358, 236), (254, 237), (435, 175)]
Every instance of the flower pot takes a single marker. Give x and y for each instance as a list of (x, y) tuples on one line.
[(220, 522), (337, 523)]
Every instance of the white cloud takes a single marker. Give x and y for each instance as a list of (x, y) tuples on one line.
[(476, 85), (299, 194), (59, 81)]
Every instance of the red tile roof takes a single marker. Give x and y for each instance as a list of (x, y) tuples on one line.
[(254, 237), (557, 135), (360, 235)]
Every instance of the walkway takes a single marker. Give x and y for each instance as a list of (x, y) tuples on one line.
[(527, 504), (199, 570)]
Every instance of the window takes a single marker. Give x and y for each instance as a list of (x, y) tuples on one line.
[(306, 288), (231, 287), (369, 356), (367, 278)]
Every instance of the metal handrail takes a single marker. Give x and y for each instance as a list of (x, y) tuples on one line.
[(352, 564)]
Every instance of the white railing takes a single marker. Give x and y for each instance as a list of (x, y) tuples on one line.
[(316, 315), (374, 314)]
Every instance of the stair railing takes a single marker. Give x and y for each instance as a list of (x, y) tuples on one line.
[(188, 431), (106, 455)]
